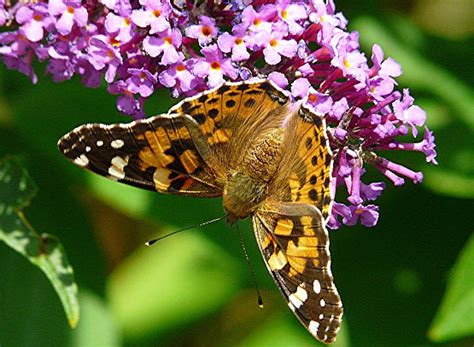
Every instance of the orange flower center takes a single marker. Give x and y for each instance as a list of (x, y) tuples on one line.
[(347, 62), (257, 21), (167, 39), (127, 21), (114, 42), (273, 42), (156, 13), (359, 211), (284, 14), (180, 68), (70, 9), (37, 17), (312, 98), (238, 41), (215, 65), (206, 31)]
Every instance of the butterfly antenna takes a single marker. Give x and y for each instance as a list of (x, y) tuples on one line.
[(151, 242), (259, 299)]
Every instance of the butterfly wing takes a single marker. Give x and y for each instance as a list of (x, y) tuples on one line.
[(188, 151), (290, 226), (295, 247), (163, 153), (232, 115), (304, 174)]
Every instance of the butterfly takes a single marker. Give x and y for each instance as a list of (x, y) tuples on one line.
[(268, 158)]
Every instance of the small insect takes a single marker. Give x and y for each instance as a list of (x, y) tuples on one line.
[(268, 158)]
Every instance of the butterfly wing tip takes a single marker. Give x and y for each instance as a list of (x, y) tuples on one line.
[(62, 143)]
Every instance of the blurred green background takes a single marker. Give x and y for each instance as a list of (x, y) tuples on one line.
[(407, 282)]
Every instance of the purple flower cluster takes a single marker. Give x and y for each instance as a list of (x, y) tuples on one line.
[(302, 46)]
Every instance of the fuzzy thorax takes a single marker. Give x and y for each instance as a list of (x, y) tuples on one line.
[(246, 188)]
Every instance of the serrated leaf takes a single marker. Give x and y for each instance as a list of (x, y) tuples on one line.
[(455, 318), (16, 191)]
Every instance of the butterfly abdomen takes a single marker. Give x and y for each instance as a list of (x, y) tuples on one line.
[(247, 186)]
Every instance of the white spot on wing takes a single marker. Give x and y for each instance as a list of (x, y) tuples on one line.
[(321, 316), (322, 303), (81, 160), (313, 327), (299, 297), (118, 164), (317, 286), (99, 143), (302, 294), (117, 144), (88, 149)]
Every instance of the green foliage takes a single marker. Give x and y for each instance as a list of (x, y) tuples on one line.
[(16, 191), (455, 316), (97, 326), (194, 288), (203, 286)]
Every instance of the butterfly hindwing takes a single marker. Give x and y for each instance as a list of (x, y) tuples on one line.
[(232, 115), (304, 174), (159, 153), (295, 247)]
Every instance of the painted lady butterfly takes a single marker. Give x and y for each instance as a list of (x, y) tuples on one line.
[(266, 156)]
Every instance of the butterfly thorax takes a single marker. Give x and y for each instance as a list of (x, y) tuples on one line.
[(246, 186)]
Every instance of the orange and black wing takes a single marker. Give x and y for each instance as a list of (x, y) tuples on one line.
[(295, 246), (163, 153), (233, 115), (305, 171), (188, 151)]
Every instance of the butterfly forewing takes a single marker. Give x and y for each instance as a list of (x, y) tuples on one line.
[(295, 247), (157, 154), (234, 114), (305, 171)]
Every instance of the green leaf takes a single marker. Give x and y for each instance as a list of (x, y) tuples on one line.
[(97, 326), (455, 318), (177, 281), (16, 191), (450, 182), (17, 188), (127, 199)]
